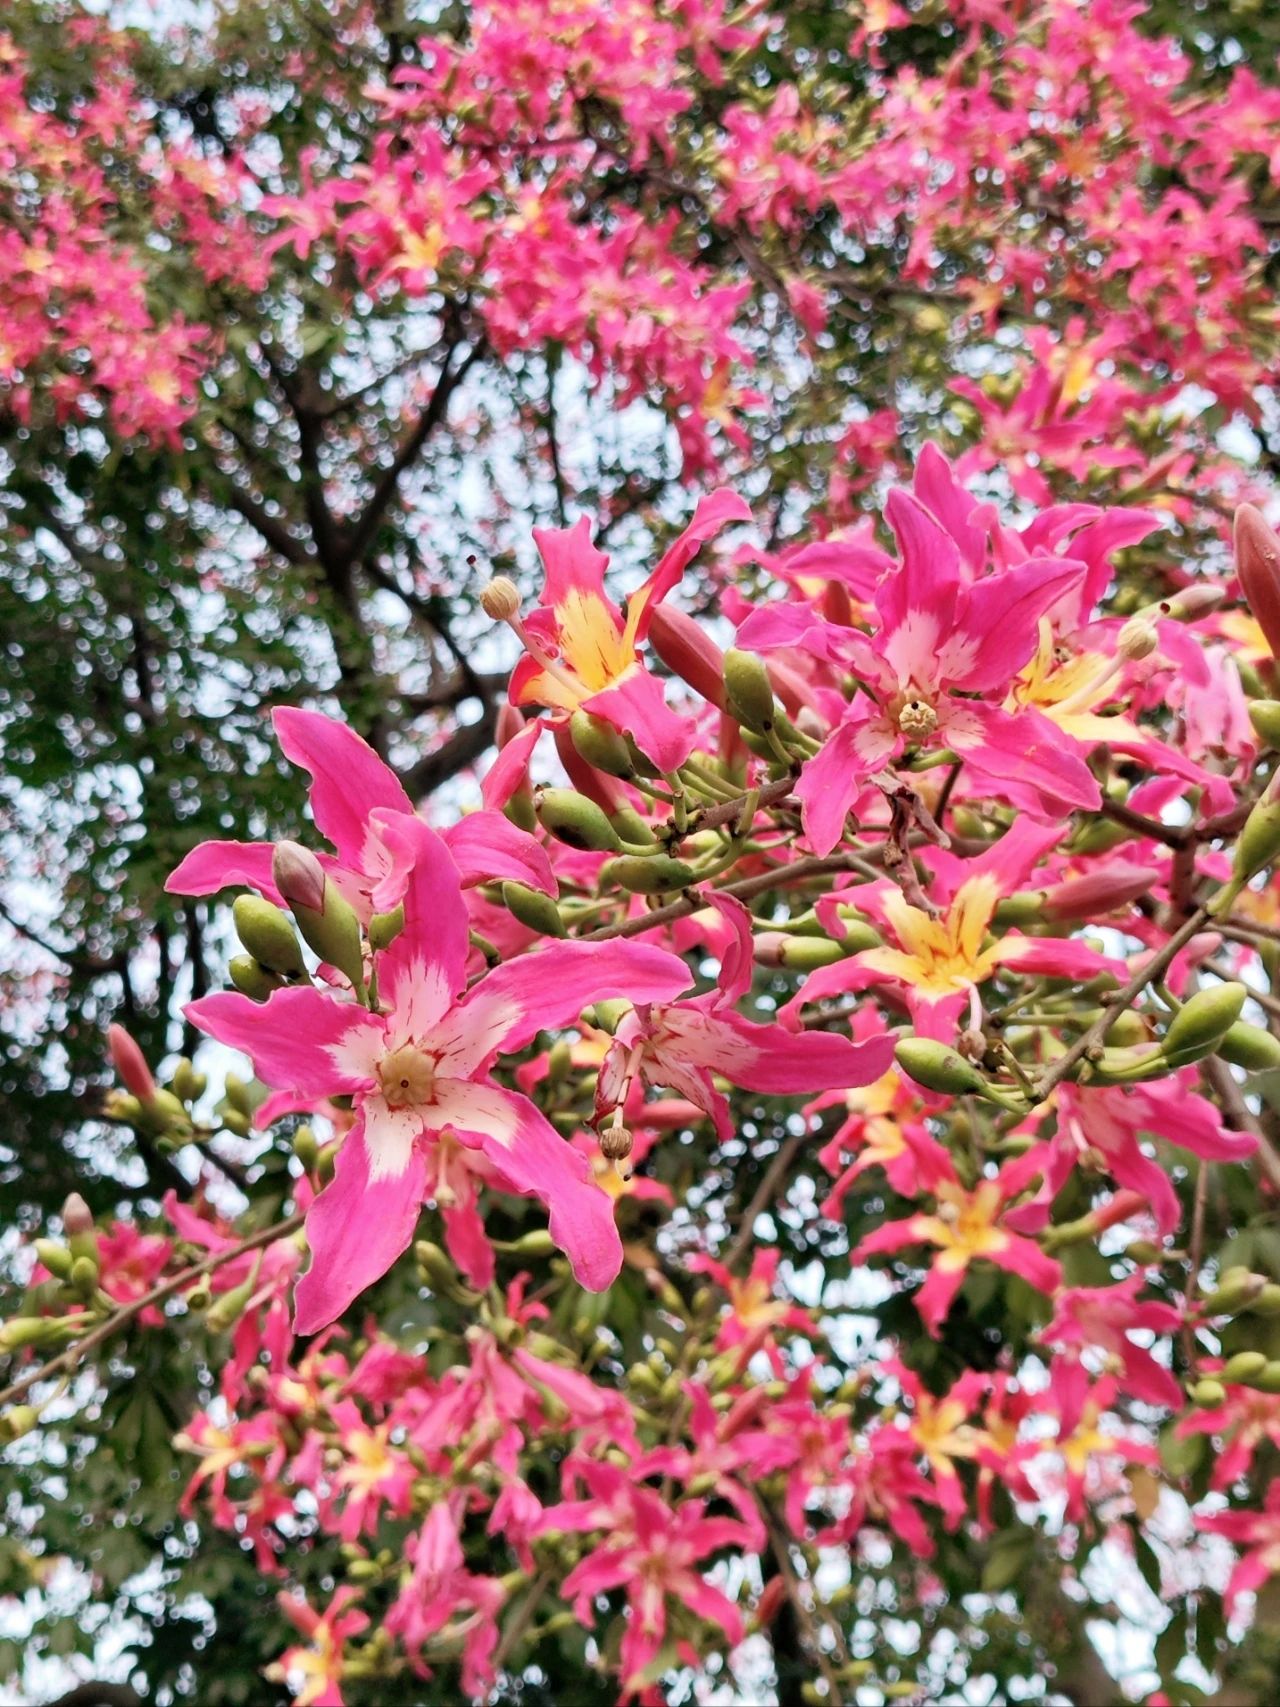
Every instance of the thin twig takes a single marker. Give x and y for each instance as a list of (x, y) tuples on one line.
[(76, 1353)]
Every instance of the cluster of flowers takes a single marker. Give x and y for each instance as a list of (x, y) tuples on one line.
[(959, 770)]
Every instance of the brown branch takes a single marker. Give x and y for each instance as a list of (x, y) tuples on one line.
[(74, 1354)]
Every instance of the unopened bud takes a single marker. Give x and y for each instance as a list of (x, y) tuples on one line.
[(1264, 714), (16, 1422), (55, 1257), (631, 827), (1243, 1366), (1268, 1380), (1201, 1023), (647, 874), (573, 819), (268, 936), (1265, 1302), (601, 745), (500, 600), (534, 909), (1257, 552), (938, 1068), (187, 1085), (227, 1310), (1237, 1289), (1257, 846), (1208, 1393), (1250, 1047), (688, 652), (748, 691), (305, 1147), (130, 1064), (251, 979), (238, 1094), (384, 928), (84, 1276), (298, 875), (77, 1217)]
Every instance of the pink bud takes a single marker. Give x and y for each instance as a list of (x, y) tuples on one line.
[(130, 1064), (1097, 893), (298, 875), (688, 653), (1257, 548), (77, 1217), (1121, 1207)]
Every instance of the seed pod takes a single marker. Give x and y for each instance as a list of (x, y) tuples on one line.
[(534, 909), (1264, 714), (1250, 1047), (601, 745), (1257, 552), (647, 874), (748, 691), (1201, 1023), (384, 928), (1243, 1366), (573, 819), (268, 936), (938, 1068)]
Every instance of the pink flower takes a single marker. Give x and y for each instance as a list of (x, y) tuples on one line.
[(1104, 1316), (583, 653), (936, 670), (441, 1590), (319, 1663), (418, 1069), (682, 1045)]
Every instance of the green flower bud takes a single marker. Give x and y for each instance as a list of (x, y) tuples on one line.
[(519, 811), (601, 745), (1265, 1301), (267, 935), (227, 1310), (84, 1277), (235, 1121), (1180, 1455), (238, 1094), (647, 875), (305, 1147), (797, 953), (1201, 1023), (1208, 1393), (631, 827), (1268, 1381), (1237, 1289), (1026, 907), (1250, 1047), (17, 1422), (1264, 714), (1143, 1252), (610, 1012), (1243, 1366), (384, 928), (1257, 846), (537, 1243), (573, 819), (55, 1257), (534, 909), (186, 1084), (40, 1333), (938, 1068), (748, 691), (251, 979)]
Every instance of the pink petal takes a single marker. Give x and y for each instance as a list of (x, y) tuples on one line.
[(572, 562), (349, 780), (425, 968), (1002, 614), (468, 1244), (828, 785), (534, 1161), (550, 988), (487, 847), (357, 1228), (737, 963), (1022, 746), (714, 512), (225, 865), (786, 1062), (298, 1040), (936, 1296), (635, 704), (510, 770), (928, 579)]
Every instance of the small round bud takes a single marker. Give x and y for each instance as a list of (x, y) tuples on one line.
[(268, 936), (1264, 714), (573, 819), (1201, 1023), (938, 1068), (298, 875), (1243, 1366), (1250, 1047), (749, 691), (650, 874), (534, 909), (500, 600), (250, 978)]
